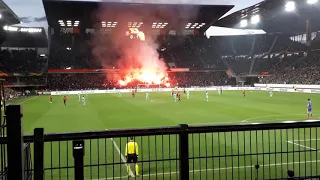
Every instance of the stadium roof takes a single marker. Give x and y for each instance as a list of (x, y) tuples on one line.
[(274, 17), (8, 17), (175, 15)]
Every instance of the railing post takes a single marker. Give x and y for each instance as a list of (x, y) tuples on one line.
[(78, 154), (38, 153), (15, 142), (184, 152)]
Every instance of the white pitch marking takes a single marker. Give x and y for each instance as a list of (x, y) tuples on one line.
[(25, 100), (306, 140), (259, 117), (307, 147), (122, 156), (217, 169)]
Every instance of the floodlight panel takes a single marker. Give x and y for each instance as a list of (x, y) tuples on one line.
[(243, 23), (255, 19), (290, 6), (312, 1)]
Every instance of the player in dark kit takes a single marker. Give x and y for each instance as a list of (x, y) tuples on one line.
[(133, 93), (184, 90), (65, 100), (179, 96)]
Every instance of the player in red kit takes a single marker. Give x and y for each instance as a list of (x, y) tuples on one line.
[(172, 92), (50, 98), (179, 96), (65, 100), (133, 93)]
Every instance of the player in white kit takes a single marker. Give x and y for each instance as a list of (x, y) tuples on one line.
[(207, 96), (188, 94), (79, 97), (147, 96), (83, 101), (219, 92), (271, 93), (175, 97)]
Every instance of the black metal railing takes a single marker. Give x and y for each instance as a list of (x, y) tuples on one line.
[(242, 151)]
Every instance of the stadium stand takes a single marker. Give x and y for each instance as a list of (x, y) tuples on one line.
[(287, 53)]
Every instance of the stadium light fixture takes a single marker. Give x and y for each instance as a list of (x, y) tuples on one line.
[(109, 24), (243, 23), (0, 16), (134, 24), (159, 25), (290, 6), (255, 19), (194, 25), (312, 1)]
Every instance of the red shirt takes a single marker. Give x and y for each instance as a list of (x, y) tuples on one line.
[(178, 94), (132, 91), (64, 98), (50, 96)]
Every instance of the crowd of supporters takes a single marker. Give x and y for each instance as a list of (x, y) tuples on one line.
[(87, 81), (286, 61), (10, 94), (23, 60), (305, 70)]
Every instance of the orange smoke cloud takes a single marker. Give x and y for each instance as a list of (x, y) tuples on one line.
[(136, 56)]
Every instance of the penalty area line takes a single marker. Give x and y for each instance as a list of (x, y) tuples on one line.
[(217, 169), (122, 156)]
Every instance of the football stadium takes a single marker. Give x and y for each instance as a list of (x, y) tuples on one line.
[(161, 90)]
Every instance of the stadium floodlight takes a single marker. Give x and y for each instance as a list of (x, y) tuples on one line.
[(312, 1), (243, 23), (0, 16), (159, 25), (10, 28), (197, 25), (255, 19), (290, 6)]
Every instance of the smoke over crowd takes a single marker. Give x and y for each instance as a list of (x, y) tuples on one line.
[(137, 60)]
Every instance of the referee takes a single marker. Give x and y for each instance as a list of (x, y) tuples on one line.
[(132, 153)]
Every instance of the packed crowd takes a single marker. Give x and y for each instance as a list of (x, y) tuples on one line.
[(285, 61), (24, 60), (304, 71), (10, 94), (100, 81)]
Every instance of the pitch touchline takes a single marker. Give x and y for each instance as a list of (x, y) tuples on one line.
[(122, 156), (280, 115), (246, 120), (217, 169), (24, 100)]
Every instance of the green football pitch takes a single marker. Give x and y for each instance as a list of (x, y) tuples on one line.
[(232, 155)]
